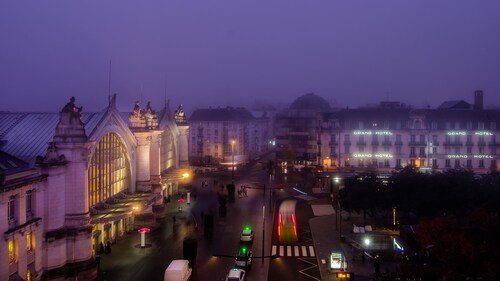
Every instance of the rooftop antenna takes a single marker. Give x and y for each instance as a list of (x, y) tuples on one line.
[(165, 91), (109, 83), (141, 93)]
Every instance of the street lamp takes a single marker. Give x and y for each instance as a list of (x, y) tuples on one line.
[(232, 162), (135, 210)]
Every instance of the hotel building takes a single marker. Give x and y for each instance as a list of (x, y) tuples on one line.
[(390, 136)]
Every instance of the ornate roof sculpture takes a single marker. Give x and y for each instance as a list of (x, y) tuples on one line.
[(143, 118), (180, 116)]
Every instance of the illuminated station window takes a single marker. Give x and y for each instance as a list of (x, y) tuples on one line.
[(109, 171)]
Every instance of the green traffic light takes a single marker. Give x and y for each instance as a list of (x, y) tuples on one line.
[(247, 228), (244, 250)]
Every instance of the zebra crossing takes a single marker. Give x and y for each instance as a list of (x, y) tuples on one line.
[(293, 251)]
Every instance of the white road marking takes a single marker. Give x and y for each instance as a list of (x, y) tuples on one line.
[(311, 250), (274, 250), (304, 251), (282, 251), (288, 251), (296, 250)]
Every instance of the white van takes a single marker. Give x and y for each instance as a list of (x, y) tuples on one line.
[(178, 270)]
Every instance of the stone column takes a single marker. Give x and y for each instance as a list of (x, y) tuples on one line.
[(182, 145), (143, 161)]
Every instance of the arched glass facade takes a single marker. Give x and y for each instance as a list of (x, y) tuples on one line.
[(109, 171), (167, 150)]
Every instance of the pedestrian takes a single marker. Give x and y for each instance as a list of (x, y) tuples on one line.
[(108, 247), (98, 261), (101, 248), (174, 219)]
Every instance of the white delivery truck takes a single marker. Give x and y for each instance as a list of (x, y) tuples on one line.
[(178, 270)]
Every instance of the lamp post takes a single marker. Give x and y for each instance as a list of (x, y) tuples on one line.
[(232, 161)]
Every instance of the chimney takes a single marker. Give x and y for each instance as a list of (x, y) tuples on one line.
[(478, 100)]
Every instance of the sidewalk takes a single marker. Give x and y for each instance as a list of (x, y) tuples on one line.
[(326, 239), (126, 254)]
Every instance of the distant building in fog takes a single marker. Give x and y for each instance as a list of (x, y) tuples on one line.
[(72, 181), (215, 133), (456, 135), (297, 130)]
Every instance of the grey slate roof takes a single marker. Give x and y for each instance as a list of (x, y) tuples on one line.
[(10, 164), (455, 104), (238, 114), (26, 135)]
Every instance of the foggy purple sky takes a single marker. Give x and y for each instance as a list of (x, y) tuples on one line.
[(234, 52)]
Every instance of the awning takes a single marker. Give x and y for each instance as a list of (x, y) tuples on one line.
[(109, 217)]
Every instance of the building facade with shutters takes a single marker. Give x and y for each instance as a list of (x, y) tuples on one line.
[(390, 136), (218, 134)]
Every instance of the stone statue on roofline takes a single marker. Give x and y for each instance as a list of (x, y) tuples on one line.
[(70, 128), (137, 109), (70, 113), (72, 108), (180, 115)]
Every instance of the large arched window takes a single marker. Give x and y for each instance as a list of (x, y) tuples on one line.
[(109, 171), (167, 150)]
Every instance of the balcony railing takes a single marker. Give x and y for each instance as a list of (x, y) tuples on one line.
[(469, 143), (347, 142), (387, 143), (398, 142), (417, 143), (413, 155), (452, 143), (361, 143)]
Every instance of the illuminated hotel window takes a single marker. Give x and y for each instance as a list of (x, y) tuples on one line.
[(30, 241), (167, 150), (12, 251), (109, 171)]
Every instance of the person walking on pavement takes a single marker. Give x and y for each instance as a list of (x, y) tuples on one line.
[(174, 220), (101, 248), (108, 247)]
